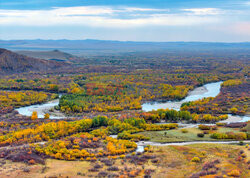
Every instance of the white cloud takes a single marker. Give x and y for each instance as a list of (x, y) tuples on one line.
[(204, 11), (103, 16), (82, 10), (131, 9)]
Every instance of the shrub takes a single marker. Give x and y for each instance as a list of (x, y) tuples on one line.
[(46, 116), (231, 82), (184, 130), (127, 136), (34, 115), (234, 110), (32, 161), (200, 134), (107, 162), (113, 168), (151, 117), (88, 159), (99, 121), (205, 132), (203, 153), (153, 127), (223, 117), (102, 174), (214, 128), (229, 135), (243, 155), (97, 166), (217, 135), (234, 173), (220, 124), (154, 160), (204, 127), (93, 170), (241, 136), (122, 156), (195, 159)]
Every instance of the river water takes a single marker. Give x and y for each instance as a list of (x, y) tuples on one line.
[(42, 109), (207, 90)]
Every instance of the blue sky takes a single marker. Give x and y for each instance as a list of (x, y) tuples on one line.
[(126, 20)]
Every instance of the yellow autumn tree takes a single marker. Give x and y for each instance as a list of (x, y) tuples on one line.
[(46, 116), (34, 115)]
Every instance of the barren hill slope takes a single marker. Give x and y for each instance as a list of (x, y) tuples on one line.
[(11, 62)]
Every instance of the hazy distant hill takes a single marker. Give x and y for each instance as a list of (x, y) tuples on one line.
[(51, 55), (100, 47), (11, 62)]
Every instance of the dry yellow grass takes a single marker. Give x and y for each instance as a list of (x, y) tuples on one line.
[(52, 168), (174, 162)]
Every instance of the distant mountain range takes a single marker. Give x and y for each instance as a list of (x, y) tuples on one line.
[(11, 63), (55, 55), (102, 47)]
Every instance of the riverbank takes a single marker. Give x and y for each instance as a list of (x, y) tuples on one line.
[(236, 118), (48, 107), (42, 109), (207, 90), (198, 91)]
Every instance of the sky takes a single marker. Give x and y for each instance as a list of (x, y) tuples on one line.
[(126, 20)]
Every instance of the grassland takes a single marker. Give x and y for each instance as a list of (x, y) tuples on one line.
[(176, 158), (177, 135), (168, 162)]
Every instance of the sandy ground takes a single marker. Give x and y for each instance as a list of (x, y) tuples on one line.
[(232, 119), (198, 91)]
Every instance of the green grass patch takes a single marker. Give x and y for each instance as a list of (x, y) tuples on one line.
[(178, 136)]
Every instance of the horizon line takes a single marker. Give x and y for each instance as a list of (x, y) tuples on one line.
[(87, 39)]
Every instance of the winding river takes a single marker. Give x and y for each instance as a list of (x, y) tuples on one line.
[(41, 109), (207, 90)]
